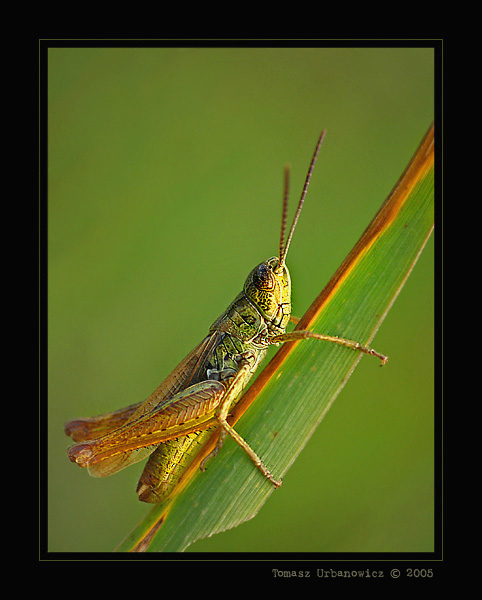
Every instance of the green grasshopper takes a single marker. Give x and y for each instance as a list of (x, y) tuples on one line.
[(175, 420)]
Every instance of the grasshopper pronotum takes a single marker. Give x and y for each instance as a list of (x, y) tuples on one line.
[(197, 396)]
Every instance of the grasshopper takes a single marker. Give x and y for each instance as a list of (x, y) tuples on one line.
[(171, 424)]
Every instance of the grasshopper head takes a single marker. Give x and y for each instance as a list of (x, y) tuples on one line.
[(269, 289)]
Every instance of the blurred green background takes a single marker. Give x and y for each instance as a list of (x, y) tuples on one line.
[(165, 187)]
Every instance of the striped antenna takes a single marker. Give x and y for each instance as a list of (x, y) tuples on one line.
[(284, 251)]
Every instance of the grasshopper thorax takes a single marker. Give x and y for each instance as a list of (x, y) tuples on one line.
[(269, 290)]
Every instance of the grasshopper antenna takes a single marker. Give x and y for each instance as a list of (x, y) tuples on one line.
[(285, 213), (284, 251)]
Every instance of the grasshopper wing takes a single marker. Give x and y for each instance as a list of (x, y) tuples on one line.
[(190, 410), (131, 434), (81, 430), (184, 374)]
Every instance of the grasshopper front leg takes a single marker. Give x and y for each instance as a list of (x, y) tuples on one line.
[(222, 412), (303, 334)]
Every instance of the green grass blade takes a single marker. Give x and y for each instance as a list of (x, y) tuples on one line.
[(296, 389)]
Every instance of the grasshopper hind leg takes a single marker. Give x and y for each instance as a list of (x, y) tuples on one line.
[(227, 429), (232, 393), (250, 452)]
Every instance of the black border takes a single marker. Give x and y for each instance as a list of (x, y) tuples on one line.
[(268, 566)]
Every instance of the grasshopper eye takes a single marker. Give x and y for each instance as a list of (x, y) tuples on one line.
[(263, 278)]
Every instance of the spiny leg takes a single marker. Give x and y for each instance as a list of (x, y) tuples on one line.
[(250, 452), (304, 334), (222, 414)]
